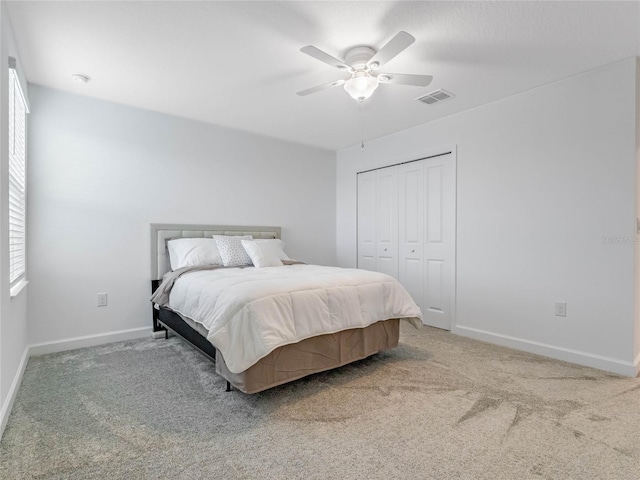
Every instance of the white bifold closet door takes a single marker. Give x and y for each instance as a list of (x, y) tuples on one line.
[(367, 220), (439, 241), (406, 228), (378, 220), (387, 220), (411, 230)]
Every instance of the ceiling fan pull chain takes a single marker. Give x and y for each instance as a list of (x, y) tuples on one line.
[(361, 107)]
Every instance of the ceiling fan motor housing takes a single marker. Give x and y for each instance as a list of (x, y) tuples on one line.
[(357, 57)]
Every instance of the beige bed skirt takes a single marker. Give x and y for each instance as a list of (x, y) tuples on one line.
[(313, 355)]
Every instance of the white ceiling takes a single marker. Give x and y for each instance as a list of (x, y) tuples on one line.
[(238, 64)]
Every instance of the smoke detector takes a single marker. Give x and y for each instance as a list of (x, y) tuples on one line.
[(80, 77)]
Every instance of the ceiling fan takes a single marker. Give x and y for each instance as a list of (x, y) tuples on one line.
[(362, 64)]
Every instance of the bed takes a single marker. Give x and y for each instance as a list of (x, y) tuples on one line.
[(264, 327)]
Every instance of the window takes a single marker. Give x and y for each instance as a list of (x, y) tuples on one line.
[(17, 177)]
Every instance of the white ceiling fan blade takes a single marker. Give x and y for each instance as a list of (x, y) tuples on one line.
[(309, 91), (324, 57), (405, 79), (395, 46)]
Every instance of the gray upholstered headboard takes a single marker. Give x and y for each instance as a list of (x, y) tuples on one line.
[(160, 232)]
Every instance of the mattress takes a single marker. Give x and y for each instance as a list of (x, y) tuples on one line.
[(263, 309)]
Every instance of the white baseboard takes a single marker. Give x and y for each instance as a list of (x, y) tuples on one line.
[(636, 364), (628, 369), (13, 391), (88, 341), (61, 346)]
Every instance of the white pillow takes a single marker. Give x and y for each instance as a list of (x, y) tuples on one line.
[(274, 246), (231, 250), (190, 252), (259, 257)]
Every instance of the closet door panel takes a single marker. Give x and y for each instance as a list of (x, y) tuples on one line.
[(411, 229), (434, 283), (387, 220), (367, 220), (439, 242), (434, 205)]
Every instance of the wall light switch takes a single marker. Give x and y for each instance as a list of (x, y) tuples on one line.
[(561, 309), (102, 299)]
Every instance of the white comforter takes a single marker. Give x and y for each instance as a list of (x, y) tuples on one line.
[(250, 312)]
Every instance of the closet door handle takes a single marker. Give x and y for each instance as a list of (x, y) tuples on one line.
[(385, 249), (413, 251)]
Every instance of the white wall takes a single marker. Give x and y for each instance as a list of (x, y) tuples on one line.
[(543, 178), (13, 311), (100, 173)]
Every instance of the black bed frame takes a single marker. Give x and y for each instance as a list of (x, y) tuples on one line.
[(165, 320)]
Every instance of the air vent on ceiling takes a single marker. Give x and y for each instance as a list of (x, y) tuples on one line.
[(436, 96)]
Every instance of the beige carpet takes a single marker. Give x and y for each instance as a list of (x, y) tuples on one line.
[(437, 407)]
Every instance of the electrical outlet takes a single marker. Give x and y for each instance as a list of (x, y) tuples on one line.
[(561, 309), (102, 299)]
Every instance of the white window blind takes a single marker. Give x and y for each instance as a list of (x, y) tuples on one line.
[(17, 176)]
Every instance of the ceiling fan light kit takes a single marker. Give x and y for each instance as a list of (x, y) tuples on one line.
[(361, 85), (362, 63)]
